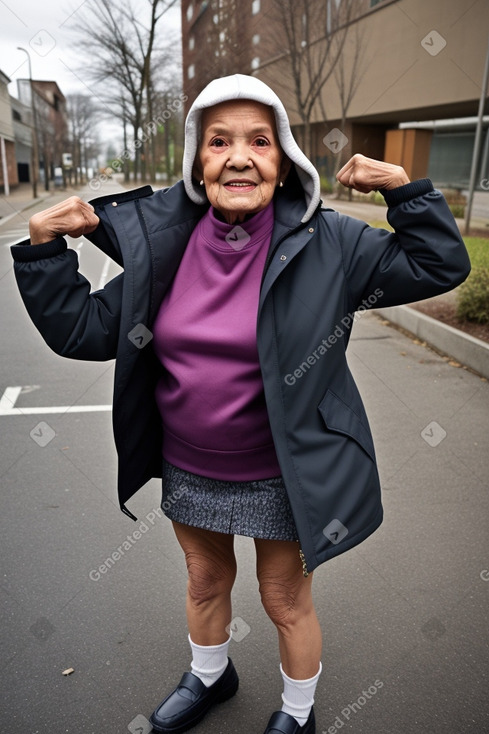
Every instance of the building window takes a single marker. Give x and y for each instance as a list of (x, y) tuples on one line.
[(255, 63), (191, 43), (191, 71), (256, 39), (190, 11), (255, 7), (16, 116)]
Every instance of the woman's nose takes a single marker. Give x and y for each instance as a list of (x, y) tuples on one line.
[(239, 157)]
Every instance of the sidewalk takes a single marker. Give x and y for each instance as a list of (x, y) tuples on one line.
[(20, 199)]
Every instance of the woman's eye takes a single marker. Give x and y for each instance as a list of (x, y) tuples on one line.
[(218, 142), (261, 142)]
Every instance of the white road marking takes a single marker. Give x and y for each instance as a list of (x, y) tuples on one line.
[(57, 409), (9, 398), (10, 395)]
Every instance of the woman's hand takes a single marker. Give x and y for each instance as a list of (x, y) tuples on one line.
[(73, 217), (366, 174)]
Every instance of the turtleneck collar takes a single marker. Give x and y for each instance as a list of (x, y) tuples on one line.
[(240, 236)]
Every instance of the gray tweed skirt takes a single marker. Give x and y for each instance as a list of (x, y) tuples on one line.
[(257, 509)]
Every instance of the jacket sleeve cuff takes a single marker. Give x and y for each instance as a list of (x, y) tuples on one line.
[(25, 252), (399, 195)]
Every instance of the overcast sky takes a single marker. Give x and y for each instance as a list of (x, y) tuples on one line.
[(42, 27)]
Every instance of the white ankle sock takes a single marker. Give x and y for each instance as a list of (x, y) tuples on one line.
[(209, 661), (298, 696)]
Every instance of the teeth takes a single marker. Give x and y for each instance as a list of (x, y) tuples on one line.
[(240, 184)]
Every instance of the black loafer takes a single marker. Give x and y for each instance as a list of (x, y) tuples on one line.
[(282, 723), (191, 700)]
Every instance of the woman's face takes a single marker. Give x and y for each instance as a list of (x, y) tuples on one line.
[(240, 159)]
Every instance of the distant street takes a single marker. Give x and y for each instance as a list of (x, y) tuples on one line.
[(404, 615)]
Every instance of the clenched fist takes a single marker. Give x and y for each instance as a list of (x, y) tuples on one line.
[(366, 174), (73, 217)]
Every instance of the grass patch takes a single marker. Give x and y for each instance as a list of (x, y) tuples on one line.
[(478, 249), (381, 224)]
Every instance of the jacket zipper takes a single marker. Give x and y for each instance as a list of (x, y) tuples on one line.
[(304, 564)]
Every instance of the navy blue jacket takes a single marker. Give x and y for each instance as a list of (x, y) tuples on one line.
[(317, 275)]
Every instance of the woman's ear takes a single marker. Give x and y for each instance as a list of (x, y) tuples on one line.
[(284, 168), (197, 172)]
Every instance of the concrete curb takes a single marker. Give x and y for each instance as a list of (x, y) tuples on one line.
[(26, 205), (466, 349)]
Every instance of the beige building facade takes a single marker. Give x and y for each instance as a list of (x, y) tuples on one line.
[(409, 61), (8, 164)]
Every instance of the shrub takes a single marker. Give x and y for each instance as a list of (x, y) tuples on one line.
[(326, 185), (458, 210), (473, 297), (454, 196)]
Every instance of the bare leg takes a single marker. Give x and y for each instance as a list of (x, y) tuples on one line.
[(211, 566), (287, 599)]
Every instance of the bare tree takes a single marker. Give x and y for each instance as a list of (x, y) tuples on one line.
[(122, 47), (83, 116), (311, 44), (348, 74)]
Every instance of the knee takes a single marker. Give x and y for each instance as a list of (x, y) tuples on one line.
[(208, 578), (281, 601)]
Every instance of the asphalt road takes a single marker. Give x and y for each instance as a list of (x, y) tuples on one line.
[(404, 615)]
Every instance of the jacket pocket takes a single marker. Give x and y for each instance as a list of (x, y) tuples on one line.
[(341, 418)]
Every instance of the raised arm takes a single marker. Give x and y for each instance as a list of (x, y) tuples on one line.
[(74, 322), (73, 217), (423, 257)]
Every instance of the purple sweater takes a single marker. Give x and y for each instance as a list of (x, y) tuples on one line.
[(211, 398)]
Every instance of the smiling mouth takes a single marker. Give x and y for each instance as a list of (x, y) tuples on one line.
[(241, 185)]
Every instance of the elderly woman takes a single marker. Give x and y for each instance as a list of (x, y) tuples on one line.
[(229, 325)]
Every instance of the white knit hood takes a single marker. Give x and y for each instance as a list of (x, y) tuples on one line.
[(240, 86)]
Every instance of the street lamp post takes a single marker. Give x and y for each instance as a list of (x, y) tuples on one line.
[(35, 153), (475, 153)]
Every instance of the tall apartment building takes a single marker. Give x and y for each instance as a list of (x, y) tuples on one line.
[(416, 68)]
